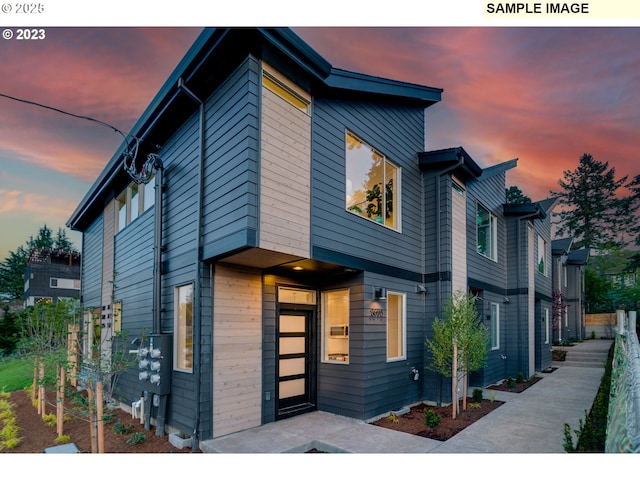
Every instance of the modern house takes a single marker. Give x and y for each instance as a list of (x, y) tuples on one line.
[(51, 275), (296, 241), (569, 290)]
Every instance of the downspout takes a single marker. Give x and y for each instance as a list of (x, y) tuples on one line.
[(157, 247), (198, 260)]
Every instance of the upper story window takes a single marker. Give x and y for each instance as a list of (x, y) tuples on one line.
[(285, 89), (486, 232), (373, 184), (132, 202), (542, 256)]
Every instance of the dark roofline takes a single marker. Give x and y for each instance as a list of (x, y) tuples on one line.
[(456, 158), (561, 246), (362, 83), (192, 67), (529, 210), (578, 257)]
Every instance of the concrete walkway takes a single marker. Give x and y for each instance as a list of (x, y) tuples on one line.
[(529, 422)]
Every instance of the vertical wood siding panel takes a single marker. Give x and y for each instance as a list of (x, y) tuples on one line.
[(237, 350), (285, 177)]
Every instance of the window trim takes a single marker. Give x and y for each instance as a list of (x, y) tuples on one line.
[(403, 326), (176, 328), (545, 263), (493, 230), (495, 323), (545, 318), (397, 189)]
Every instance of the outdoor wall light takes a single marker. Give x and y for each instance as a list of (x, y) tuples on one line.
[(381, 293), (421, 289)]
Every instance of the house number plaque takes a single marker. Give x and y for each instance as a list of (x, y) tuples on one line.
[(376, 313)]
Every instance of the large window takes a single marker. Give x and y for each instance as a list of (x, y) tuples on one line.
[(486, 232), (396, 328), (495, 326), (335, 326), (373, 189), (183, 328)]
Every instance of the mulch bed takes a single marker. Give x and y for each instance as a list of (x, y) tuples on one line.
[(517, 388), (414, 421)]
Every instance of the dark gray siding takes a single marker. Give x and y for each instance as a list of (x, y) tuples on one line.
[(92, 265), (397, 132), (230, 206), (516, 320), (487, 275), (133, 267)]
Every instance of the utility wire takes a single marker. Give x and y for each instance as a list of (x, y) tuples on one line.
[(129, 155), (82, 117)]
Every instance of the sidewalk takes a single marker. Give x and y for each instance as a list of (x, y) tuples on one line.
[(528, 422)]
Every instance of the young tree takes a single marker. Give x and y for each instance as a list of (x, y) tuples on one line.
[(514, 195), (593, 213), (459, 343)]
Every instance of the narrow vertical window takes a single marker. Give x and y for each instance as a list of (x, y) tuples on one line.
[(486, 232), (335, 326), (135, 201), (495, 326), (148, 194), (372, 184), (545, 319), (121, 211), (183, 328), (542, 256), (396, 328)]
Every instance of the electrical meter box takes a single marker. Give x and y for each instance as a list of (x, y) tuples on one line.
[(155, 363)]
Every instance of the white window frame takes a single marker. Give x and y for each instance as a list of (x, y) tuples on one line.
[(542, 251), (397, 188), (495, 325), (341, 338), (181, 351), (545, 318), (492, 243), (402, 336)]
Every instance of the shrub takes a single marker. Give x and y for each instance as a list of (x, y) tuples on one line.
[(136, 437), (477, 395), (511, 383), (10, 444), (123, 429), (50, 419), (473, 405), (393, 418), (62, 439), (431, 418), (520, 378)]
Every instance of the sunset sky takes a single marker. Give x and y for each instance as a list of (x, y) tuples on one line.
[(544, 95)]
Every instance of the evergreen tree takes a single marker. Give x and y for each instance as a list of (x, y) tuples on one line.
[(594, 214), (62, 242), (514, 195)]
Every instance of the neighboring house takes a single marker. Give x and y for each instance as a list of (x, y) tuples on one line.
[(51, 275), (568, 290), (296, 242)]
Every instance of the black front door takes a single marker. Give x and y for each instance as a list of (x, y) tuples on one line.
[(295, 370)]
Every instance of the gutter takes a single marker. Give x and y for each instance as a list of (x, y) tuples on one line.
[(198, 260)]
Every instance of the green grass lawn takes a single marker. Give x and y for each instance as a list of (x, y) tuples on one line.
[(15, 373)]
